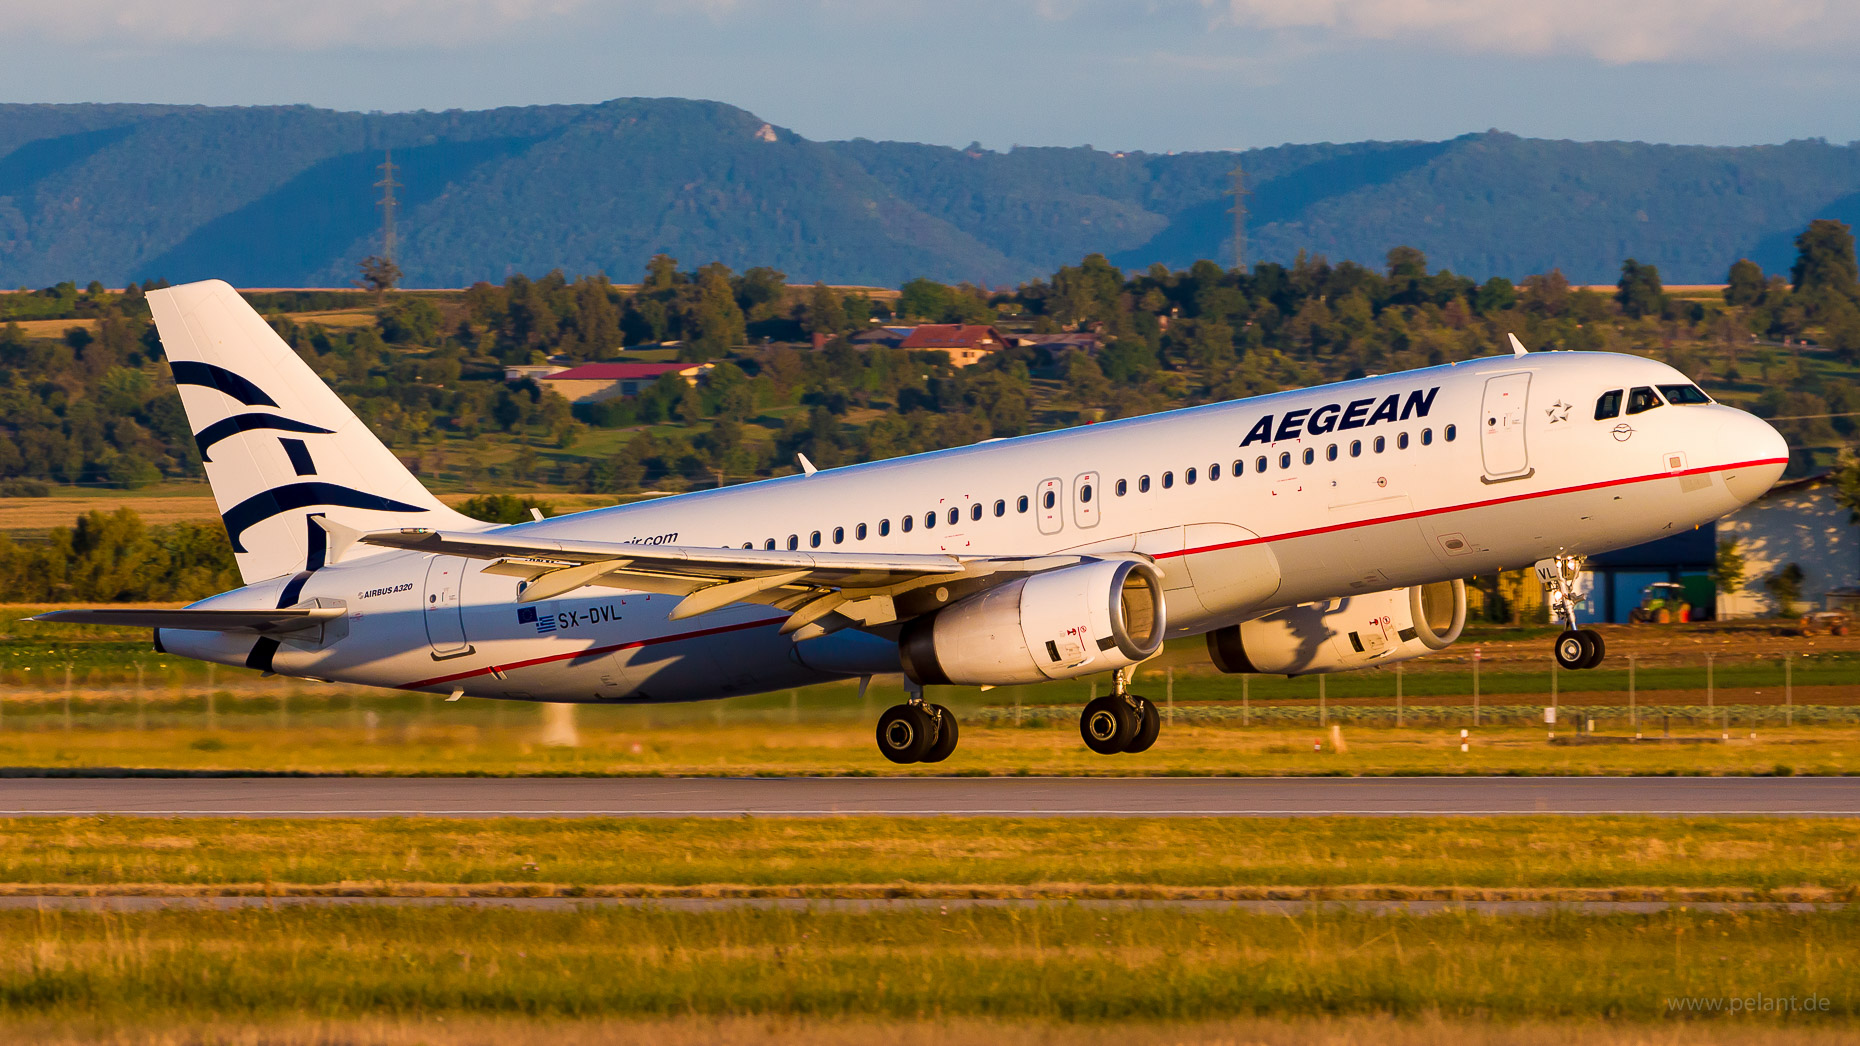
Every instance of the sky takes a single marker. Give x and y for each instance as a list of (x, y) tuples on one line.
[(1156, 75)]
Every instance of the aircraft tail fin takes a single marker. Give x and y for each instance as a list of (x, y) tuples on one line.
[(280, 447)]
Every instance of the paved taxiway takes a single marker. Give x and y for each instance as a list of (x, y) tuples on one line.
[(899, 796)]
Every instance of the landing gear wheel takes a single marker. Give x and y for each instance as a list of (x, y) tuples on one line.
[(1573, 649), (905, 733), (1108, 724), (1596, 648), (946, 732), (1149, 724)]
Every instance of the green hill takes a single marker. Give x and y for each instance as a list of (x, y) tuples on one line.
[(284, 196)]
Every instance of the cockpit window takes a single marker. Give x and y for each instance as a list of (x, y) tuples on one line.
[(1643, 399), (1608, 406), (1684, 394)]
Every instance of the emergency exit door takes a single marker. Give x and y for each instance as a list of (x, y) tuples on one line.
[(1501, 427), (445, 607)]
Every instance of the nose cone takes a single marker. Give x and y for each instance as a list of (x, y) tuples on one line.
[(1759, 452)]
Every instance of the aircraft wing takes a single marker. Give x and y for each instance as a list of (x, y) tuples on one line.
[(863, 588), (264, 622)]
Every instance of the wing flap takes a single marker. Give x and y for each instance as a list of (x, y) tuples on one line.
[(264, 622)]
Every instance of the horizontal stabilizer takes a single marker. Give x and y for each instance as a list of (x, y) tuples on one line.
[(266, 622)]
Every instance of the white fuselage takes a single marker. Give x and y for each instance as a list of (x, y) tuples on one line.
[(1479, 466)]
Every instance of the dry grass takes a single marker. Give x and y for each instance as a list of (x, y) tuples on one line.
[(1521, 858), (781, 1031)]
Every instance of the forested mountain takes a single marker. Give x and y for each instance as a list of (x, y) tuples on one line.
[(285, 196)]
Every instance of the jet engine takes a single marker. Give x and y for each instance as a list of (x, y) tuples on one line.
[(1093, 617), (1344, 634)]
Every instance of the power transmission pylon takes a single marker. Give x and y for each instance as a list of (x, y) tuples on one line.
[(1239, 193), (387, 185)]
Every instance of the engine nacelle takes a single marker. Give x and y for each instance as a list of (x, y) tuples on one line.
[(1060, 624), (1344, 634)]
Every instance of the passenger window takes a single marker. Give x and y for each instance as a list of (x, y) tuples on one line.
[(1188, 477), (1401, 441), (1643, 399), (749, 544), (771, 545), (1427, 437), (884, 528), (1123, 487), (1310, 455), (1608, 406), (1285, 459), (1085, 494), (1381, 444), (1239, 467), (813, 540), (1214, 473), (907, 523), (1683, 395), (1452, 431), (1143, 484), (1021, 505), (859, 532), (955, 516), (1356, 448), (929, 519), (1168, 480), (1259, 463), (1330, 452), (794, 542), (1000, 507), (1049, 499), (839, 535)]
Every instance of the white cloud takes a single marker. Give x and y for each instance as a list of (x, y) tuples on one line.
[(1614, 31)]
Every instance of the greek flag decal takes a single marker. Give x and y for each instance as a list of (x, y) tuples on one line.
[(545, 623)]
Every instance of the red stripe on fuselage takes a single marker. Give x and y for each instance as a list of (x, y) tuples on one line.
[(1468, 506), (593, 651)]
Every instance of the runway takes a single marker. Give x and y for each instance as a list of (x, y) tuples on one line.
[(918, 796), (866, 906)]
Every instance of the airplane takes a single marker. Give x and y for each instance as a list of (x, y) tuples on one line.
[(1324, 529)]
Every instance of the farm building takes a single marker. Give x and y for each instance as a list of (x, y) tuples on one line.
[(598, 382)]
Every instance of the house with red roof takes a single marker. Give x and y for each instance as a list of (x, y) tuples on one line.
[(597, 382), (966, 343)]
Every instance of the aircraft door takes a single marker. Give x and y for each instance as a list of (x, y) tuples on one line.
[(1046, 504), (1501, 427), (1085, 497), (445, 607)]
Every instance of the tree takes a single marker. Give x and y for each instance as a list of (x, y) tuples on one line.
[(1824, 261), (1407, 263), (379, 275), (1744, 284), (715, 325), (1638, 291), (1728, 567), (1847, 483), (1785, 588), (825, 314)]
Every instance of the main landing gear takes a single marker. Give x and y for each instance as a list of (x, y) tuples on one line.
[(1120, 721), (915, 732), (1575, 647)]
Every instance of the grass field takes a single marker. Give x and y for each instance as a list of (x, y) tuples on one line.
[(1058, 963), (1444, 858)]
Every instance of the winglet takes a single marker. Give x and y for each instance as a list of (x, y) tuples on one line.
[(341, 538), (1517, 347), (807, 467)]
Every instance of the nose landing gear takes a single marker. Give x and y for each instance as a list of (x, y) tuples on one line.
[(1575, 647), (915, 732), (1120, 721)]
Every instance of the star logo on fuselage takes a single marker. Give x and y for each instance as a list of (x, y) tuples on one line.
[(1558, 411)]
